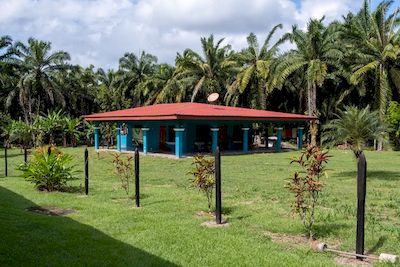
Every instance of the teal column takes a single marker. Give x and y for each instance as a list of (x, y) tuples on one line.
[(126, 138), (245, 140), (119, 138), (300, 138), (97, 138), (214, 139), (179, 142), (145, 132), (278, 144)]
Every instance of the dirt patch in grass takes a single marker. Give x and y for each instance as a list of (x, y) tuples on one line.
[(160, 185), (245, 203), (287, 239), (205, 214), (297, 240), (51, 211), (352, 261), (213, 224), (301, 240)]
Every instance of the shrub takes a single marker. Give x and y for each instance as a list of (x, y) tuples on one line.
[(48, 172), (306, 185), (203, 173), (393, 119), (124, 170)]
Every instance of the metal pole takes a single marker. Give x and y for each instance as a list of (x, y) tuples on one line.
[(137, 191), (361, 191), (86, 171), (218, 186), (5, 161), (25, 155)]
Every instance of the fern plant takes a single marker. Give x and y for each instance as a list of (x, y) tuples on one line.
[(48, 172)]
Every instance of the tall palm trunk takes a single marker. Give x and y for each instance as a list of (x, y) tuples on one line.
[(312, 110), (261, 96), (384, 96)]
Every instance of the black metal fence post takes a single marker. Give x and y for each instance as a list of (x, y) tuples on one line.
[(137, 191), (25, 155), (5, 161), (361, 191), (86, 171), (218, 208)]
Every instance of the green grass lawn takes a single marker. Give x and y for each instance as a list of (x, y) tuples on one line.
[(166, 231)]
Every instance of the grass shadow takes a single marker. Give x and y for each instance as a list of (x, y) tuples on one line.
[(227, 210), (374, 174), (241, 217), (30, 239), (378, 245), (73, 189)]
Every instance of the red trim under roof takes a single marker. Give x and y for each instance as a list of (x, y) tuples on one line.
[(195, 111)]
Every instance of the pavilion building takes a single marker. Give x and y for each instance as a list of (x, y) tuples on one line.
[(186, 128)]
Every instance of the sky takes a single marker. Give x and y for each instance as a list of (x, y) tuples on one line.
[(99, 32)]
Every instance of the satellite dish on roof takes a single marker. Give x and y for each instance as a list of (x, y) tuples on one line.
[(213, 97)]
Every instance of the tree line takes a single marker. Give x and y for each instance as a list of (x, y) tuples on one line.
[(351, 62)]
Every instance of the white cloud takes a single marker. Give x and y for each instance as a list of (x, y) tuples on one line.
[(99, 32)]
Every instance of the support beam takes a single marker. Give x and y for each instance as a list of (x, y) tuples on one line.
[(245, 139), (145, 132), (361, 192), (119, 138), (214, 145), (300, 138), (278, 144), (97, 137), (179, 142)]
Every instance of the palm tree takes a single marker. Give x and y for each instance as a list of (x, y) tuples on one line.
[(5, 45), (7, 73), (51, 123), (79, 88), (354, 126), (208, 73), (38, 65), (374, 48), (250, 83), (89, 128), (316, 52), (111, 96), (71, 129), (134, 72), (19, 132), (156, 87)]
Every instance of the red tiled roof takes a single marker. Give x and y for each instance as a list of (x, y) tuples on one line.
[(194, 111)]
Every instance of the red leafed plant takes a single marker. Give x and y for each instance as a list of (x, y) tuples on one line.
[(124, 170), (306, 185)]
